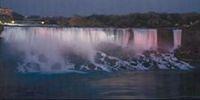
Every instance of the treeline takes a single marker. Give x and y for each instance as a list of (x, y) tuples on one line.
[(130, 20), (150, 19), (9, 18)]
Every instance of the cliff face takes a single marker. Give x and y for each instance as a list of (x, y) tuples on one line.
[(190, 49)]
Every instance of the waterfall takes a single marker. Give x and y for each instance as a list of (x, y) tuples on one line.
[(145, 39), (56, 50), (177, 38)]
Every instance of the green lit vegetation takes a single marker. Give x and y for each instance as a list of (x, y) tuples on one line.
[(1, 28)]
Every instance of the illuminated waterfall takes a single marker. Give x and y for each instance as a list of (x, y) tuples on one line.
[(145, 39), (51, 49), (177, 38)]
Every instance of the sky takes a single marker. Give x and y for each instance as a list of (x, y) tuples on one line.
[(88, 7)]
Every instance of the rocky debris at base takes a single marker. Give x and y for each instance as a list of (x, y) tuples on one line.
[(150, 60), (146, 61)]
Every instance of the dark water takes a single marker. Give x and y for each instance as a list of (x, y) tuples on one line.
[(150, 84), (63, 63)]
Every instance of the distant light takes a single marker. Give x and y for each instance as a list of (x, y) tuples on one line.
[(42, 22), (13, 22), (176, 24)]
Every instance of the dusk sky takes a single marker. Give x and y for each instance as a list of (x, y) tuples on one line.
[(88, 7)]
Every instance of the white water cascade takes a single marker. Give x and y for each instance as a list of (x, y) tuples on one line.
[(177, 38)]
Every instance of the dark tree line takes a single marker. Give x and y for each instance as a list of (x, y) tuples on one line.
[(150, 19), (138, 20)]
